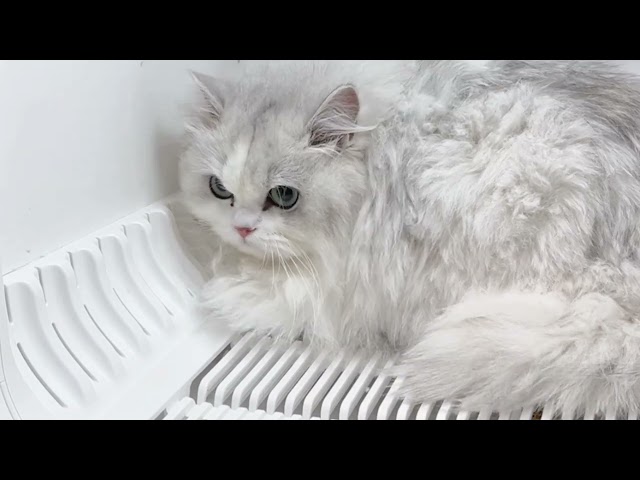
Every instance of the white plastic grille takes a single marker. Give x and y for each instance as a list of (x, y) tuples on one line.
[(105, 327), (258, 379), (186, 409)]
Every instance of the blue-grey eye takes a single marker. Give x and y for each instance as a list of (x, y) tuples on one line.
[(216, 187), (284, 197)]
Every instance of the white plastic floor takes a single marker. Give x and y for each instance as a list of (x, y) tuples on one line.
[(108, 328), (256, 379)]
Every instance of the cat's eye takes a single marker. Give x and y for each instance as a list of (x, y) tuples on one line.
[(216, 187), (284, 197)]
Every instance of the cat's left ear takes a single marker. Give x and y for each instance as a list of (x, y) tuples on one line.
[(213, 91), (335, 121)]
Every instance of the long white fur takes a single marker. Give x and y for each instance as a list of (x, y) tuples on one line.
[(487, 228)]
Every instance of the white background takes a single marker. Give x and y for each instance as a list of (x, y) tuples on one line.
[(84, 143)]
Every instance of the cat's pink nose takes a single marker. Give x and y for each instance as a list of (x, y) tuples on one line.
[(245, 232)]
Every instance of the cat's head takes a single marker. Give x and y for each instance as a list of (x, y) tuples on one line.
[(273, 169)]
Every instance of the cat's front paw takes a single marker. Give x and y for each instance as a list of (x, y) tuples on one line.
[(244, 305)]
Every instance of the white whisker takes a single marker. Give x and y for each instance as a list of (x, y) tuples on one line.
[(287, 273), (273, 269), (314, 300)]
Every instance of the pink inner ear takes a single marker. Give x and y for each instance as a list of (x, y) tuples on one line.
[(347, 100), (336, 118)]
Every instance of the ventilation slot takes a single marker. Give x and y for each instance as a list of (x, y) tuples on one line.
[(39, 378), (129, 312), (73, 355), (117, 350), (6, 303)]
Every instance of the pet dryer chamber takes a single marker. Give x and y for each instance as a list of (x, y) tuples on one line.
[(98, 317)]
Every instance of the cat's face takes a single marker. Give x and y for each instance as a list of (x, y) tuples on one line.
[(267, 178)]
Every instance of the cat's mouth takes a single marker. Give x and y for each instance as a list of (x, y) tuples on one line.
[(258, 244), (249, 246)]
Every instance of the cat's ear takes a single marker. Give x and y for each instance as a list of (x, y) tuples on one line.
[(335, 122), (212, 90)]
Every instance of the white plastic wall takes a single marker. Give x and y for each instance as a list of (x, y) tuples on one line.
[(84, 143)]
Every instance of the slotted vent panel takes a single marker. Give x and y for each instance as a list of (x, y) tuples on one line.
[(258, 379)]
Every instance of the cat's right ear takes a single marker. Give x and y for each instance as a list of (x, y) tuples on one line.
[(213, 92)]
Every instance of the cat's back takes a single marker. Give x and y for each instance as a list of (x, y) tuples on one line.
[(600, 91), (512, 159), (494, 175), (589, 110)]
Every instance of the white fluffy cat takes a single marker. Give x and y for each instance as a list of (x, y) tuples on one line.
[(483, 220)]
